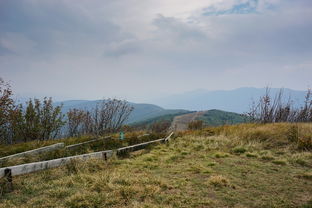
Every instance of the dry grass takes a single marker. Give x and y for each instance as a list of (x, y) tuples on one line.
[(182, 173), (105, 144), (299, 135), (218, 181)]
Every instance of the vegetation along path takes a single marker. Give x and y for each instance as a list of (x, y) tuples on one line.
[(180, 123)]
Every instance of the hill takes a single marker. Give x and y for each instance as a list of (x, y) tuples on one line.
[(247, 165), (237, 100), (167, 117), (217, 117), (141, 111), (209, 117)]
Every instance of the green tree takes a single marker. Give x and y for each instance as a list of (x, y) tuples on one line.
[(6, 107), (38, 121)]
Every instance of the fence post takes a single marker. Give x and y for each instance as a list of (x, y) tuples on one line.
[(104, 155), (9, 179)]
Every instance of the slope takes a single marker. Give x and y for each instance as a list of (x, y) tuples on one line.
[(190, 171), (209, 117)]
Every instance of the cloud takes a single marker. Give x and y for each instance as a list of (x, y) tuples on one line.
[(169, 26), (56, 26), (141, 49)]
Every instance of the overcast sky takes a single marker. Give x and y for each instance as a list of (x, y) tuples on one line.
[(143, 49)]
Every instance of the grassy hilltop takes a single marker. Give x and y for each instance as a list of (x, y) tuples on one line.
[(246, 165)]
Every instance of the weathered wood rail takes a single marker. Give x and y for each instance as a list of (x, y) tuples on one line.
[(136, 147), (37, 166), (73, 146), (34, 151), (143, 135)]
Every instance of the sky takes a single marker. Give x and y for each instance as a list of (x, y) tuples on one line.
[(145, 49)]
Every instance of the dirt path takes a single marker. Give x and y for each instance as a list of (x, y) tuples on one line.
[(180, 123)]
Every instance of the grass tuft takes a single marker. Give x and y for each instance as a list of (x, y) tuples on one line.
[(279, 162), (221, 155), (218, 181), (239, 150), (306, 175), (250, 154)]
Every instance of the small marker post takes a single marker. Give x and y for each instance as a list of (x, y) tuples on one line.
[(121, 135)]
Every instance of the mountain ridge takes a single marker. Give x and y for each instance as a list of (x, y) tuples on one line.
[(141, 111), (236, 100)]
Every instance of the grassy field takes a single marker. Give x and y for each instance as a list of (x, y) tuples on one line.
[(105, 144), (246, 165)]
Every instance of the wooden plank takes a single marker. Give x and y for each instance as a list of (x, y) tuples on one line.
[(143, 135), (36, 166), (140, 146), (84, 143), (169, 137), (34, 151), (136, 147)]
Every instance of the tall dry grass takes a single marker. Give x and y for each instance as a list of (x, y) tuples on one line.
[(297, 135)]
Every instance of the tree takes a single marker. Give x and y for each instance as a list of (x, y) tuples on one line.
[(38, 121), (6, 107), (78, 122), (51, 119), (271, 109), (109, 115)]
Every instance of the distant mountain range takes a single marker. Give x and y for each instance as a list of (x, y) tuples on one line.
[(237, 100), (141, 112)]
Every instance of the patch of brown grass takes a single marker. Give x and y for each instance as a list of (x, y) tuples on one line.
[(218, 181)]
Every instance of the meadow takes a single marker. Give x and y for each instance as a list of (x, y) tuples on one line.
[(246, 165)]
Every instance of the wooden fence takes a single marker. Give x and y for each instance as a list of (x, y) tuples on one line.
[(36, 166), (34, 151), (73, 146)]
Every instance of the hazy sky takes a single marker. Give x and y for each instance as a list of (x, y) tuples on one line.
[(142, 49)]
